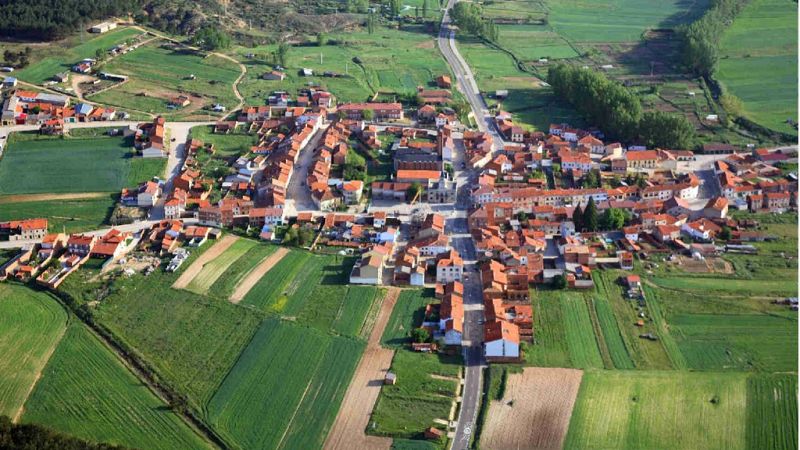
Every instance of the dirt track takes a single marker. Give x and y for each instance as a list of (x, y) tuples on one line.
[(21, 198), (218, 248), (254, 275), (348, 429), (539, 416)]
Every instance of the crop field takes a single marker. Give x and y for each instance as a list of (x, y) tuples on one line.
[(43, 70), (642, 409), (772, 411), (87, 392), (425, 390), (355, 306), (622, 20), (268, 293), (285, 389), (531, 42), (390, 61), (758, 62), (192, 340), (731, 286), (162, 72), (31, 324), (63, 215), (534, 410), (227, 283), (67, 165), (215, 268), (613, 337), (550, 349), (515, 10), (581, 341), (407, 314), (737, 341)]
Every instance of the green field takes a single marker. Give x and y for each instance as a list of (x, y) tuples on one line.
[(772, 411), (226, 283), (758, 62), (63, 215), (87, 392), (619, 20), (285, 388), (406, 409), (550, 349), (31, 324), (407, 314), (642, 409), (43, 70), (729, 286), (216, 267), (165, 72), (612, 336), (72, 165), (191, 340), (355, 307), (391, 61), (225, 144), (581, 342)]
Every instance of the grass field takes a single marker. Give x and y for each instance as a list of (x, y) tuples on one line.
[(31, 324), (164, 72), (214, 269), (622, 20), (407, 314), (226, 283), (772, 411), (642, 409), (391, 61), (63, 215), (354, 308), (425, 391), (550, 349), (612, 336), (730, 286), (285, 389), (85, 391), (268, 294), (225, 144), (72, 165), (581, 342), (758, 62), (192, 340), (65, 58)]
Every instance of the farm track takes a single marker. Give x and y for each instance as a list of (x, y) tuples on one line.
[(347, 431), (538, 418), (254, 275), (23, 198), (197, 266)]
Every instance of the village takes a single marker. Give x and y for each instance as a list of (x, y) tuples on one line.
[(540, 208)]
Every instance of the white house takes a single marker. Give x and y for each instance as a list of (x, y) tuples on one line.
[(148, 194), (501, 339), (451, 318), (449, 267)]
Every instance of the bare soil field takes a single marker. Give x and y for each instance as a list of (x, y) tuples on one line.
[(348, 429), (534, 412), (22, 198), (197, 266), (254, 275)]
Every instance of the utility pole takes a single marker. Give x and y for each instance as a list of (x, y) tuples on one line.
[(320, 58)]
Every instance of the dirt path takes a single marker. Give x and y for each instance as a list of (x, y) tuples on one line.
[(348, 428), (534, 412), (21, 198), (218, 249), (254, 275)]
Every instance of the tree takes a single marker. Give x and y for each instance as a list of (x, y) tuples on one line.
[(282, 53), (321, 39), (522, 216), (99, 54), (211, 38), (371, 22), (367, 114), (660, 129), (559, 282), (591, 179), (424, 8), (613, 219), (414, 191), (732, 104), (590, 216), (724, 233), (577, 218), (420, 335)]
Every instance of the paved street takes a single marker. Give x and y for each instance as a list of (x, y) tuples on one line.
[(298, 195)]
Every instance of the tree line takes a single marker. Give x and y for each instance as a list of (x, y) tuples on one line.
[(701, 38), (30, 436), (469, 18), (618, 112), (53, 19)]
